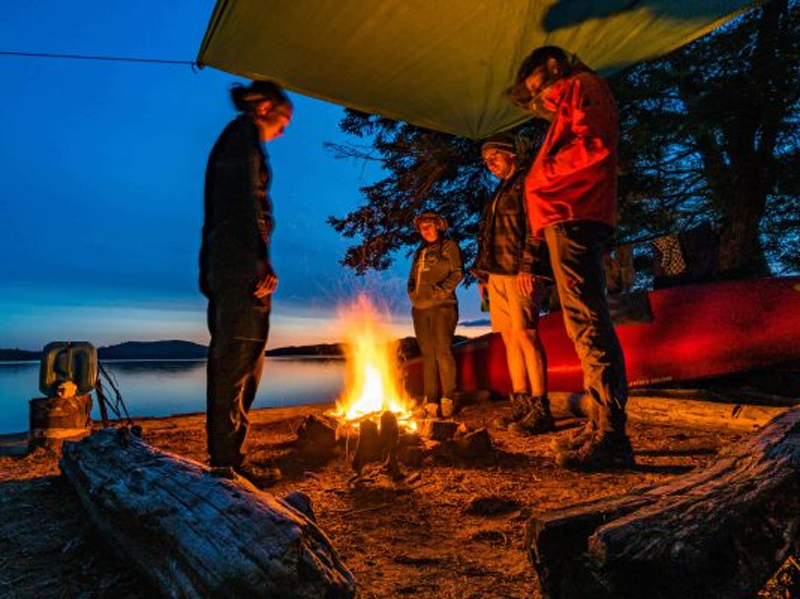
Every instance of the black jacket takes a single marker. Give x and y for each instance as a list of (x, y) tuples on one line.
[(506, 245), (238, 211)]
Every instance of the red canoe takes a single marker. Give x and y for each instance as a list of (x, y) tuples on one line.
[(696, 331)]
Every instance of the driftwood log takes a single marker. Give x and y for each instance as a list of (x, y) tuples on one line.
[(197, 534), (718, 533), (655, 409)]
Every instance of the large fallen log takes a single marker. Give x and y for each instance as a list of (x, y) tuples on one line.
[(718, 533), (196, 534)]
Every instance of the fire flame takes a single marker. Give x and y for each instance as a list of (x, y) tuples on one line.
[(372, 383)]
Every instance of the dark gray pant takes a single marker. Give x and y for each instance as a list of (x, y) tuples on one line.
[(239, 326), (434, 329), (576, 255)]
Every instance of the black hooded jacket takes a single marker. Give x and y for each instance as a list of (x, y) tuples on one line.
[(238, 212)]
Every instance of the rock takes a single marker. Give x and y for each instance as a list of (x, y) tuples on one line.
[(477, 444), (492, 505), (302, 503), (316, 436)]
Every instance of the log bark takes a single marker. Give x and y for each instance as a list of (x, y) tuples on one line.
[(194, 533), (653, 409), (720, 532)]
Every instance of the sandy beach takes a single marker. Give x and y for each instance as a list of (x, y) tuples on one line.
[(429, 539)]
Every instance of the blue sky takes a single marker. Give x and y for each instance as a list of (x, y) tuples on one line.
[(101, 171)]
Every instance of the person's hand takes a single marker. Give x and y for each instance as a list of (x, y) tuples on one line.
[(525, 284), (267, 284)]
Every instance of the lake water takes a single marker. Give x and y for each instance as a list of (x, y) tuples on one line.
[(162, 388)]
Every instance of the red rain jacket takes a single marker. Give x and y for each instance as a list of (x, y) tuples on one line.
[(574, 177)]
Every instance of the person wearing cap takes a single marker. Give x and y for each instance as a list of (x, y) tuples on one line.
[(435, 273), (507, 260), (570, 192), (236, 272)]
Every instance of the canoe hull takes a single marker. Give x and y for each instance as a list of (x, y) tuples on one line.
[(697, 331)]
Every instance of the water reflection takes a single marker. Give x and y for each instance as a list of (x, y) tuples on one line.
[(162, 388)]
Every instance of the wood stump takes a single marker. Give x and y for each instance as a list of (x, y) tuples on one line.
[(717, 533), (194, 534)]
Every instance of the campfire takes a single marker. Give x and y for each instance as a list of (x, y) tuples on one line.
[(375, 419), (373, 383)]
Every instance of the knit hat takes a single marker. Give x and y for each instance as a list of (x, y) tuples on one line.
[(503, 142), (429, 216)]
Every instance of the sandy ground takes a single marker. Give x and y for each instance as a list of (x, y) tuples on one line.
[(426, 540)]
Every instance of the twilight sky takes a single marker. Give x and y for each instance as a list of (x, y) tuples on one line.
[(101, 184)]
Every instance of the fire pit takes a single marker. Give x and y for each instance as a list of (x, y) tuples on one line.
[(375, 418)]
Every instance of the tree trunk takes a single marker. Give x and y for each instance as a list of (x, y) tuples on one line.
[(719, 533), (194, 534)]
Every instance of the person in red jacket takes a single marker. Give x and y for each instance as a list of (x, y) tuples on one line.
[(570, 192)]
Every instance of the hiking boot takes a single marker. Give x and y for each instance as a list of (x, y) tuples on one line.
[(574, 439), (537, 421), (520, 405), (260, 476), (601, 451)]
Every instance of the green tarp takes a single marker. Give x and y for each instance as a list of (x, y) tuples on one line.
[(441, 64)]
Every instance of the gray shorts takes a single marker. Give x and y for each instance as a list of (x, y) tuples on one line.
[(508, 309)]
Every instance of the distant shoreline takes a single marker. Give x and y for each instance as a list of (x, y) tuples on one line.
[(187, 350)]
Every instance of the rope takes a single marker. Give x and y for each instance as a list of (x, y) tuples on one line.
[(190, 63)]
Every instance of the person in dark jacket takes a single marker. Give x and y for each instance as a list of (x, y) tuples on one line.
[(506, 267), (435, 274), (236, 273), (571, 197)]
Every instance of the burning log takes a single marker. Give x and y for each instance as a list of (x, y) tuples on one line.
[(194, 534), (719, 533), (368, 448), (379, 444)]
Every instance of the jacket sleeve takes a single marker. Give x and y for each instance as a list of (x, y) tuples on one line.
[(594, 129), (529, 253), (530, 247), (448, 285), (411, 286)]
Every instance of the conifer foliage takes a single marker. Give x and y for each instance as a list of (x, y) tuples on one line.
[(710, 132)]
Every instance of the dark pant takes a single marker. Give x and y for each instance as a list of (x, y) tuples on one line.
[(434, 328), (239, 326), (576, 255)]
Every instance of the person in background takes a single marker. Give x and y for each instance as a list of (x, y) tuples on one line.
[(435, 273), (236, 273), (570, 192), (505, 266)]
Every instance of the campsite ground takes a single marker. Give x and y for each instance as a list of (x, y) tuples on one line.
[(447, 535)]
